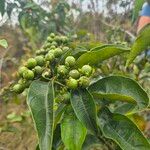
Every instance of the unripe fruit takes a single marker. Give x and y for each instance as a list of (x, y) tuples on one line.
[(50, 56), (58, 52), (52, 35), (40, 60), (54, 43), (62, 70), (49, 39), (86, 70), (57, 38), (28, 75), (65, 48), (74, 74), (22, 70), (31, 63), (70, 61), (72, 83), (38, 70), (18, 88), (48, 45), (52, 47), (66, 96), (24, 83), (84, 82)]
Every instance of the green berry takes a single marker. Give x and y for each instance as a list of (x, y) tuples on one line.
[(57, 38), (28, 75), (18, 88), (50, 56), (52, 35), (72, 83), (66, 96), (74, 74), (84, 82), (65, 48), (31, 63), (40, 60), (70, 61), (49, 39), (54, 43), (86, 70), (38, 70), (22, 70), (53, 47), (62, 70), (58, 52)]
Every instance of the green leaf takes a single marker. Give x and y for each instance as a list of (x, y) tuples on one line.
[(96, 56), (85, 109), (141, 43), (73, 132), (40, 101), (2, 7), (137, 7), (122, 130), (122, 89), (3, 43), (60, 110)]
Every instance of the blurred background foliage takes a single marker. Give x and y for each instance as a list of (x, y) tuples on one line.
[(25, 24)]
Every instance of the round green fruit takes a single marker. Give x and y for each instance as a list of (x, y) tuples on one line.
[(66, 96), (38, 70), (31, 63), (22, 70), (40, 60), (49, 39), (86, 70), (58, 52), (18, 88), (84, 82), (52, 35), (62, 70), (28, 75), (53, 47), (50, 56), (74, 74), (54, 43), (72, 83), (65, 48), (70, 61)]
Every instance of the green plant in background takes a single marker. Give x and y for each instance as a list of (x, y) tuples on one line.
[(70, 107), (37, 21)]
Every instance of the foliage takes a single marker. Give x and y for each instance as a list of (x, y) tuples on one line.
[(141, 44), (65, 97)]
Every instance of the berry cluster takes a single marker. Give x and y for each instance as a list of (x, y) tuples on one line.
[(46, 66)]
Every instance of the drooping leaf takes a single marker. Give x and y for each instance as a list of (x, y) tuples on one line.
[(2, 7), (84, 108), (97, 56), (141, 44), (122, 89), (73, 132), (40, 101), (3, 43), (122, 130)]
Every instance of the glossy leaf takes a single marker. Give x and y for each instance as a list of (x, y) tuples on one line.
[(84, 108), (141, 44), (97, 56), (40, 101), (3, 43), (122, 89), (73, 132), (122, 130)]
